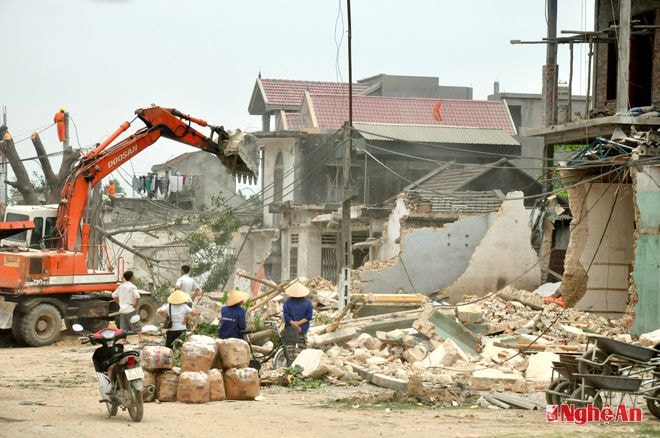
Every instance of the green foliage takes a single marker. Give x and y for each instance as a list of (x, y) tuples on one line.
[(568, 147), (176, 348), (207, 329), (303, 383), (208, 245), (256, 321), (321, 318)]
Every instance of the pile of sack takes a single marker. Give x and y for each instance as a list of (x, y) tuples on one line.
[(211, 370)]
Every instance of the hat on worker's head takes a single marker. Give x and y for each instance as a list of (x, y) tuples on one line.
[(235, 297), (297, 290), (62, 110), (178, 297)]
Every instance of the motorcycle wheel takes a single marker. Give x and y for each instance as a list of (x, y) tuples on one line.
[(279, 360), (112, 409), (136, 406)]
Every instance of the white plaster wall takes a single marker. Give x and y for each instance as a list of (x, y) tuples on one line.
[(504, 256), (272, 147), (430, 258), (214, 178), (389, 247), (608, 277)]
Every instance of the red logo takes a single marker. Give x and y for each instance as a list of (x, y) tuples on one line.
[(592, 414)]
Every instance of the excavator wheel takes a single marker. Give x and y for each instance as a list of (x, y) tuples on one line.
[(16, 328), (41, 325)]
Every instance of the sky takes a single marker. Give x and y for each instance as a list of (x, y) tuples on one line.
[(102, 59)]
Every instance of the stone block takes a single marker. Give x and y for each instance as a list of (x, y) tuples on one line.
[(339, 337), (539, 366), (360, 341), (415, 354), (396, 335), (470, 314), (491, 379), (361, 354), (389, 382), (313, 362), (410, 340), (445, 354), (375, 360), (650, 339)]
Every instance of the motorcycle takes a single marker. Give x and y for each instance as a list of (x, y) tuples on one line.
[(119, 372)]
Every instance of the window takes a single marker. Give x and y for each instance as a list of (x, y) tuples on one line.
[(49, 232), (329, 269), (37, 231), (293, 256), (516, 115)]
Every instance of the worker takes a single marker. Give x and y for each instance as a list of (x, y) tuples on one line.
[(298, 312), (128, 297), (177, 310), (59, 120), (188, 284), (111, 191), (232, 316)]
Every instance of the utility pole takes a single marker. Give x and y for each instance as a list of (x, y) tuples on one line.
[(346, 252), (623, 43), (3, 163), (550, 75)]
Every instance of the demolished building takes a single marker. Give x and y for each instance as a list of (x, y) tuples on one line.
[(611, 261)]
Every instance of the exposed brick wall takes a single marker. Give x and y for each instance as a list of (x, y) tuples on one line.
[(656, 59), (603, 20)]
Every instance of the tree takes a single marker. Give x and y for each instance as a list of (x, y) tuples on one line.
[(209, 244), (26, 185)]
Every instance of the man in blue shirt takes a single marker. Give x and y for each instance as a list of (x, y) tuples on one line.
[(232, 316), (298, 312)]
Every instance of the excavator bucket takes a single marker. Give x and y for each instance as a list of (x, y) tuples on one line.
[(245, 150)]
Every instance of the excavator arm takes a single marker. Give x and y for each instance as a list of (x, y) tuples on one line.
[(236, 152)]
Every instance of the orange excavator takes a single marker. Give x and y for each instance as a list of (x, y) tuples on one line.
[(44, 277)]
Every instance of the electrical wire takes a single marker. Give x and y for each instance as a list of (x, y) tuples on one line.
[(536, 196)]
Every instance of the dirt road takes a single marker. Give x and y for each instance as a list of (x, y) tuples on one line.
[(52, 392)]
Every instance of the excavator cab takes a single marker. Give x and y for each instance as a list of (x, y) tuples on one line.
[(38, 229)]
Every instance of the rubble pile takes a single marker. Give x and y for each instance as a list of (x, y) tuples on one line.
[(433, 353), (506, 342), (509, 316)]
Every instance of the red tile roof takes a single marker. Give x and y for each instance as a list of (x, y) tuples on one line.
[(332, 110), (293, 121), (283, 92)]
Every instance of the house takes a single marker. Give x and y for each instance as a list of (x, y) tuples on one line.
[(198, 180), (401, 143), (282, 98), (611, 266)]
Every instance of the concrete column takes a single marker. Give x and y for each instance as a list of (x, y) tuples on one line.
[(623, 43), (265, 122)]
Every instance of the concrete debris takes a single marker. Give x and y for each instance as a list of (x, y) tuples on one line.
[(650, 339), (470, 314), (505, 341), (490, 379), (313, 363), (539, 368), (446, 355)]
